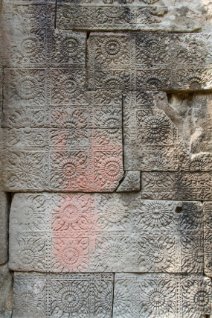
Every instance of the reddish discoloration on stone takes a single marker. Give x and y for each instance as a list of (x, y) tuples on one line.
[(74, 228)]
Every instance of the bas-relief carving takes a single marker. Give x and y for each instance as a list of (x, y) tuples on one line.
[(157, 295), (150, 61), (83, 150), (105, 232), (67, 295), (207, 206), (130, 15), (56, 133)]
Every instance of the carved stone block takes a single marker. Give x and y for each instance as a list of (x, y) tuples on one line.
[(3, 227), (26, 28), (105, 232), (77, 147), (148, 61), (177, 186), (207, 206), (157, 295), (134, 15), (167, 135), (74, 295)]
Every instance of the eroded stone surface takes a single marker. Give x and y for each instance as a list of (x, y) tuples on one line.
[(74, 295), (167, 135), (177, 185), (3, 227), (157, 295), (105, 232), (131, 182), (125, 15)]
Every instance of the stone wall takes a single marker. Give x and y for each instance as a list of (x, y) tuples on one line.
[(106, 159)]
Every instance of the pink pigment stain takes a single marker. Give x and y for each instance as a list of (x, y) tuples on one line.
[(75, 218), (74, 230)]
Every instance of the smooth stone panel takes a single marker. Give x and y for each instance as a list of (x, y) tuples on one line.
[(105, 232), (51, 295), (161, 296)]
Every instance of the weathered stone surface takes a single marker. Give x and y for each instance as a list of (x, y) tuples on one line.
[(131, 182), (207, 238), (3, 227), (74, 295), (27, 32), (150, 61), (105, 232), (77, 146), (177, 185), (175, 134), (125, 15), (157, 295), (5, 292)]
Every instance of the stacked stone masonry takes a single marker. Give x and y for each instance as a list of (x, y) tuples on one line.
[(106, 159)]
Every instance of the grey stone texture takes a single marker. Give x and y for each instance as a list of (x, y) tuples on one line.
[(165, 15), (106, 142), (4, 208), (57, 135), (157, 295), (150, 61), (207, 238), (175, 134), (5, 292), (63, 295), (105, 232)]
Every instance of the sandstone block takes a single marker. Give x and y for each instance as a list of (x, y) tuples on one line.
[(177, 185), (207, 238), (167, 135), (157, 295), (131, 182), (50, 295), (130, 15), (76, 147), (105, 232), (148, 61)]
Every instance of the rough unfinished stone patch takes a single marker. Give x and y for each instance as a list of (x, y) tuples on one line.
[(105, 232)]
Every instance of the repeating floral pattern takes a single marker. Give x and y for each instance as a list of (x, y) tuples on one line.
[(61, 134), (105, 232), (152, 295), (147, 59), (67, 295), (124, 15)]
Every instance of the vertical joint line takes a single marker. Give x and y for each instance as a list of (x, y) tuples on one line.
[(55, 15)]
